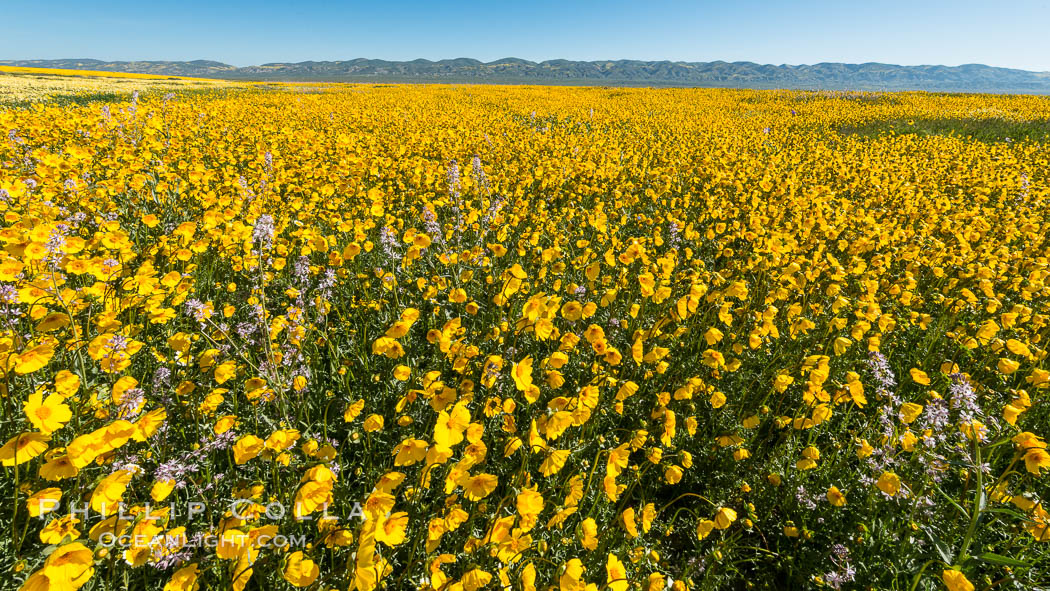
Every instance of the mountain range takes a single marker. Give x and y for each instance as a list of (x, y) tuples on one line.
[(831, 76)]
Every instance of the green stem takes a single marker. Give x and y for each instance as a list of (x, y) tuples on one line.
[(975, 514), (918, 576)]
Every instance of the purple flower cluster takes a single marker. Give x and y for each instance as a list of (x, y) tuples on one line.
[(887, 381), (453, 178), (674, 233), (301, 272), (197, 309), (264, 230), (245, 329), (172, 559), (388, 239), (161, 378), (844, 571), (178, 469), (431, 224), (128, 464), (327, 281), (479, 173), (134, 108), (118, 343), (8, 294), (132, 404), (935, 420), (935, 416), (805, 499), (963, 398), (880, 366)]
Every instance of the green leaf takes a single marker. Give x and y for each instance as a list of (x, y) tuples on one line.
[(1003, 560), (942, 549), (1011, 513)]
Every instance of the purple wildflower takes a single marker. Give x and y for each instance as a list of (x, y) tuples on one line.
[(453, 178), (963, 398), (264, 230), (388, 239)]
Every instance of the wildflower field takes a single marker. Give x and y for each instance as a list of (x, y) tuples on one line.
[(474, 337), (20, 86)]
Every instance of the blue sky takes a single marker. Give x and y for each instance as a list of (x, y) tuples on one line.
[(1004, 33)]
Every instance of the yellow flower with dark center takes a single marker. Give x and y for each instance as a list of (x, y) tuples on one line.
[(615, 574), (479, 486), (1036, 460), (47, 414), (836, 497), (23, 447), (390, 529)]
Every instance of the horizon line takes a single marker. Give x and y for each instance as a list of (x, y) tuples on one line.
[(509, 58)]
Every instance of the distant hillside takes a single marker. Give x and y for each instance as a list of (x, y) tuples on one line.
[(196, 68), (869, 76)]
